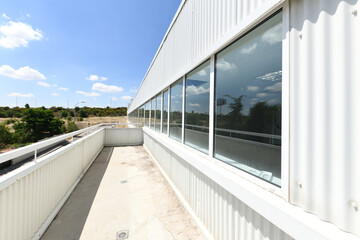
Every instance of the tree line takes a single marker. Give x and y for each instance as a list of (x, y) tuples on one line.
[(18, 112), (40, 123)]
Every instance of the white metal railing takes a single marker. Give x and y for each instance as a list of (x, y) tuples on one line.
[(32, 195), (230, 131), (34, 148)]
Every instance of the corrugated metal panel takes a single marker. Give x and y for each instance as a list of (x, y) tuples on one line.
[(200, 25), (123, 136), (225, 216), (28, 200), (325, 116)]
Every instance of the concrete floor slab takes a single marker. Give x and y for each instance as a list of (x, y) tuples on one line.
[(123, 190)]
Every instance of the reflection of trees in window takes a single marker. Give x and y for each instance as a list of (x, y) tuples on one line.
[(262, 118)]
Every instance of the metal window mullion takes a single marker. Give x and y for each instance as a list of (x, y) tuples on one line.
[(211, 106), (150, 107), (168, 112), (285, 112), (161, 111), (183, 113)]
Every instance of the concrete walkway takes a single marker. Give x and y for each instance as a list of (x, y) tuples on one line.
[(123, 190)]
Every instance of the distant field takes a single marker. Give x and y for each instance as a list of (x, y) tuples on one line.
[(91, 120), (98, 120)]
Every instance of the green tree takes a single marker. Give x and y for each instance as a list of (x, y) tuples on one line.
[(38, 124), (83, 113), (6, 136), (71, 126), (27, 105), (64, 114)]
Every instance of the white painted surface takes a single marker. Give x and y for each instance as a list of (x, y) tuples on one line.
[(230, 206), (325, 116), (123, 137), (200, 29), (30, 194)]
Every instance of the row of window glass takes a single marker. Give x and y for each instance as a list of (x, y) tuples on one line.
[(247, 106)]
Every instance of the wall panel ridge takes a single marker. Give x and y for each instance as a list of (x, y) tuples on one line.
[(31, 195), (198, 28), (324, 147)]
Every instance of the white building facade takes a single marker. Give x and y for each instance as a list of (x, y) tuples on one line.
[(250, 110)]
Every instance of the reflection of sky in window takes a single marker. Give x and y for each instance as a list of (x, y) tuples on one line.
[(252, 67), (165, 106), (198, 88), (176, 97)]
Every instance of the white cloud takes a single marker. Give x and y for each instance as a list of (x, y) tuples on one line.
[(18, 34), (93, 78), (249, 49), (114, 98), (225, 66), (5, 16), (202, 72), (24, 73), (194, 105), (273, 76), (63, 89), (262, 95), (55, 95), (28, 15), (92, 94), (274, 88), (126, 98), (96, 78), (253, 88), (106, 88), (273, 101), (16, 94), (273, 35), (44, 84), (193, 90)]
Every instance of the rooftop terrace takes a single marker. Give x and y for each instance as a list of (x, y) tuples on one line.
[(123, 190)]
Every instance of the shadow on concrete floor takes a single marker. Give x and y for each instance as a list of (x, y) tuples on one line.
[(75, 211)]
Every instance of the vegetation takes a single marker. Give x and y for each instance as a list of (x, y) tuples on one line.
[(17, 112), (39, 123)]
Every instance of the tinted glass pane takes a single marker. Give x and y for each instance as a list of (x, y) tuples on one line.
[(176, 110), (158, 113), (248, 102), (197, 108), (153, 105), (165, 111), (147, 114)]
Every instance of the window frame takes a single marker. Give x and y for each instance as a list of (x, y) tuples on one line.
[(283, 190)]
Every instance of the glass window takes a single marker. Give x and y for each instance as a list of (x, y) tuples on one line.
[(158, 113), (153, 104), (165, 111), (197, 89), (147, 114), (176, 95), (248, 80)]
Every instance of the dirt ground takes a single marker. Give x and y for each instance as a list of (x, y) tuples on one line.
[(97, 120)]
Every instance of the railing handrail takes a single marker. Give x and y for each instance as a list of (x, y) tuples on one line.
[(239, 132), (47, 142)]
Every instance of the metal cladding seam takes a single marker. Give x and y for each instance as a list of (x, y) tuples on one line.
[(324, 112)]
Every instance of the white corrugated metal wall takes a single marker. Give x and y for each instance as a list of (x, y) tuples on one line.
[(201, 25), (224, 215), (325, 113), (324, 86)]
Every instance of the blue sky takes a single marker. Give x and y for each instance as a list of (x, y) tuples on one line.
[(55, 53)]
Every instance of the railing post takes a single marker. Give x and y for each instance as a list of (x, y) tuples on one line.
[(35, 155)]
